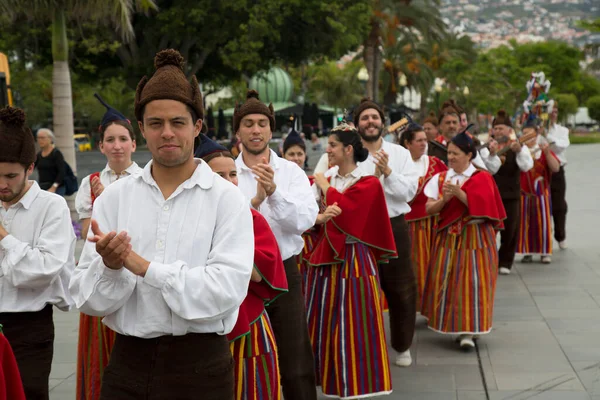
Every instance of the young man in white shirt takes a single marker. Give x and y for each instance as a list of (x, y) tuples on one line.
[(171, 256), (558, 138), (37, 246), (281, 192), (395, 168)]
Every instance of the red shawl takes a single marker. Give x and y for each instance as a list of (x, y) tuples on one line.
[(530, 180), (268, 262), (11, 387), (483, 198), (364, 217), (441, 140), (417, 205)]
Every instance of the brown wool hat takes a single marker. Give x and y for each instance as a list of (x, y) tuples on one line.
[(432, 119), (18, 145), (502, 118), (449, 107), (365, 104), (168, 83), (252, 105)]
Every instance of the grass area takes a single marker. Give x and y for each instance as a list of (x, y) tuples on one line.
[(585, 138)]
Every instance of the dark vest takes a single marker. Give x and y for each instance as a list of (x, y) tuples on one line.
[(508, 178), (435, 149)]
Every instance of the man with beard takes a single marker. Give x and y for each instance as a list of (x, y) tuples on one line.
[(170, 257), (37, 247), (450, 123), (281, 192), (394, 166)]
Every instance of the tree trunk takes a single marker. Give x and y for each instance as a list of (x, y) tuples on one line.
[(62, 100), (371, 47), (377, 64)]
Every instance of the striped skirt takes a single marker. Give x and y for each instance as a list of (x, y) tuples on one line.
[(459, 290), (345, 323), (535, 234), (309, 243), (256, 367), (421, 237), (93, 351)]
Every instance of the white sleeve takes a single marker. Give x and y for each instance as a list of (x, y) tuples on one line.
[(478, 162), (35, 267), (97, 289), (403, 182), (432, 189), (209, 292), (294, 208), (560, 136), (493, 163), (83, 200), (524, 159), (323, 164)]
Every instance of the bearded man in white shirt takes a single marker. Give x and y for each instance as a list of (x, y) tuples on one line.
[(395, 168), (171, 256), (281, 192), (37, 247)]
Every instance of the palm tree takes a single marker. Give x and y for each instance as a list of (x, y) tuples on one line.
[(115, 13), (336, 86)]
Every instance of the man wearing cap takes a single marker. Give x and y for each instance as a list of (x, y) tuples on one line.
[(395, 168), (37, 247), (281, 192), (170, 290), (507, 175)]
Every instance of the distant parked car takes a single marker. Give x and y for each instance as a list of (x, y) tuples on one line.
[(82, 142)]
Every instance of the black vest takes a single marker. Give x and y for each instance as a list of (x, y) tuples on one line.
[(508, 177)]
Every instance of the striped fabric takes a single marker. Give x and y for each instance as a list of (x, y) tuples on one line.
[(459, 290), (535, 233), (256, 368), (345, 323), (421, 237), (309, 242), (93, 351)]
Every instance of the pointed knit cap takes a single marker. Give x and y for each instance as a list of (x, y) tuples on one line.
[(207, 147), (465, 142), (293, 139), (16, 140), (365, 104), (168, 83), (252, 105), (502, 118), (111, 113)]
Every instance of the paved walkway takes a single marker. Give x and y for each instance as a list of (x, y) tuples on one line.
[(546, 339)]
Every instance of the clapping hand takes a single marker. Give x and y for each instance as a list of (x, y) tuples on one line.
[(322, 182), (97, 186), (331, 211), (113, 248), (381, 160), (265, 176)]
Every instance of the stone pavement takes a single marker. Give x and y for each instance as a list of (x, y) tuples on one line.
[(545, 344)]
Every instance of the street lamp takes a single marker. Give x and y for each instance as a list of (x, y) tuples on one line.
[(438, 89), (466, 91), (363, 77), (402, 82)]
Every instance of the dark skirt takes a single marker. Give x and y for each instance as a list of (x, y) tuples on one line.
[(169, 367)]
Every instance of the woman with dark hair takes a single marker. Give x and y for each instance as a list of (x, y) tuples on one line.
[(343, 294), (459, 289), (117, 143), (294, 149), (421, 226), (252, 340)]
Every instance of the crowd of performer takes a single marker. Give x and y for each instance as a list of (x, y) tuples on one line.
[(216, 275)]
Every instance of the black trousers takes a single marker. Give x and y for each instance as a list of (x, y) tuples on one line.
[(510, 235), (288, 319), (558, 192), (399, 285), (31, 336), (189, 367)]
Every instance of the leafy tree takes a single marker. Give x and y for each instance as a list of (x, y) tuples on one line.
[(567, 105), (593, 105), (335, 86)]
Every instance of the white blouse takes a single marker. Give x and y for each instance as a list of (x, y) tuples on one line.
[(432, 189), (200, 244)]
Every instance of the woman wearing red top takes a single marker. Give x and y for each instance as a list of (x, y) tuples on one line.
[(252, 340), (420, 224)]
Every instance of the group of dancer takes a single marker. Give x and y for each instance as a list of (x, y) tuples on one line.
[(240, 277)]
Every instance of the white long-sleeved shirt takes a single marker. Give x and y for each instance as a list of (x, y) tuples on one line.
[(290, 210), (200, 245), (38, 255), (401, 185), (432, 188), (83, 200), (524, 161), (558, 135)]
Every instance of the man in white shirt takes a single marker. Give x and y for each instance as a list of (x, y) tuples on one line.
[(37, 246), (395, 168), (558, 137), (171, 256), (281, 192)]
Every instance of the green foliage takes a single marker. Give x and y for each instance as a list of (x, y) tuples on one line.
[(335, 86), (567, 105), (593, 105), (585, 138)]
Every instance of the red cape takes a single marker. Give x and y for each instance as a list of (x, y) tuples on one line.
[(417, 205), (11, 387), (484, 202), (268, 262), (364, 217)]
